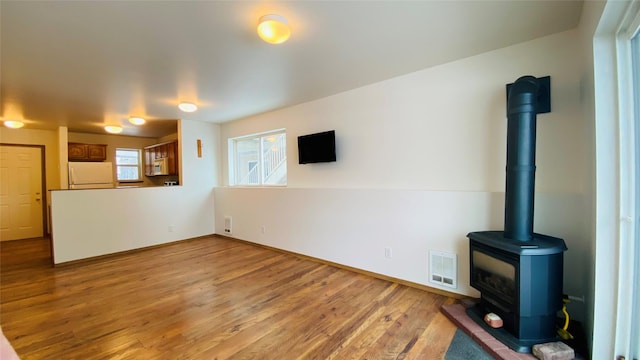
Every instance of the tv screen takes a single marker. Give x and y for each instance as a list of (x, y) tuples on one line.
[(316, 148)]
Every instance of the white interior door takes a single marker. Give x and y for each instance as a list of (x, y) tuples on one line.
[(20, 193)]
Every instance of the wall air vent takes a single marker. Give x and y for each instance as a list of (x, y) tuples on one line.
[(443, 268)]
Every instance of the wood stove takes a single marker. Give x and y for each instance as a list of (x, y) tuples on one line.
[(519, 272)]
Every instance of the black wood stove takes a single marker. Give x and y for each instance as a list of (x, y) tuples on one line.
[(519, 272)]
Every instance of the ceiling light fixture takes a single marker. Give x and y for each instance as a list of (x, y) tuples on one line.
[(187, 107), (113, 129), (136, 120), (273, 29), (13, 124)]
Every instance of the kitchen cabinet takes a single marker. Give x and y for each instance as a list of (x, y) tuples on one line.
[(172, 156), (148, 162), (86, 152), (168, 150)]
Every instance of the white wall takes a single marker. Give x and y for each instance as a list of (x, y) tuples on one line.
[(591, 12), (421, 162), (89, 223), (441, 128)]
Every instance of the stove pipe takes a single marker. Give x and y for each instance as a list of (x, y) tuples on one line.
[(521, 158)]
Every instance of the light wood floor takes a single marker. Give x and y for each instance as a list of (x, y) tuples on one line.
[(210, 298)]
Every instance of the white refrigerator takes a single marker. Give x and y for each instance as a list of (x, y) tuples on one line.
[(90, 175)]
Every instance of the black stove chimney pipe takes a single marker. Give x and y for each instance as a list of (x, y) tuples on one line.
[(521, 158)]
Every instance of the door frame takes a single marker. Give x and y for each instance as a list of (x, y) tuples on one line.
[(43, 184)]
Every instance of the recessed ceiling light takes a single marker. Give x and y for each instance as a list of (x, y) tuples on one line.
[(273, 29), (136, 120), (113, 129), (187, 107), (14, 124)]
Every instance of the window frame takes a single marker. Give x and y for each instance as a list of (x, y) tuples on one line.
[(234, 160), (615, 222), (627, 315), (635, 287), (139, 165)]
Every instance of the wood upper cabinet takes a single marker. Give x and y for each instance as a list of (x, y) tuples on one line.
[(172, 156), (97, 152), (167, 151), (161, 151), (87, 152), (148, 162)]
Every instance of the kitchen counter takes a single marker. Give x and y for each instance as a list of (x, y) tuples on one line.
[(120, 187)]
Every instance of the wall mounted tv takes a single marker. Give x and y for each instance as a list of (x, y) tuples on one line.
[(317, 148)]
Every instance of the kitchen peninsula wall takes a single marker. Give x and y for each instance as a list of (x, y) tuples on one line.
[(136, 218), (119, 141)]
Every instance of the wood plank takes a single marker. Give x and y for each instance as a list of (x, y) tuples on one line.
[(211, 298)]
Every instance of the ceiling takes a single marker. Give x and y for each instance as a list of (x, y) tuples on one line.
[(86, 64)]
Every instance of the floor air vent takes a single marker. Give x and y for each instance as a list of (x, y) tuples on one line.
[(443, 268)]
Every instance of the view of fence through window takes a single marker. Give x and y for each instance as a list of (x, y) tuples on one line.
[(127, 164), (260, 159)]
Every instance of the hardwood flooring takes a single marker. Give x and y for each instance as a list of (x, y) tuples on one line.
[(210, 298)]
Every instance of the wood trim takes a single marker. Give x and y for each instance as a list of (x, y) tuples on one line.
[(354, 269), (307, 257), (125, 252)]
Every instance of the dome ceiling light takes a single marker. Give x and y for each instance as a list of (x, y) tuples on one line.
[(13, 124), (113, 129), (273, 29), (136, 120), (187, 107)]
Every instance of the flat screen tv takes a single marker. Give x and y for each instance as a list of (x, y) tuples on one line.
[(317, 148)]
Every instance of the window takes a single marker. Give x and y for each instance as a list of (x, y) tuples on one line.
[(617, 210), (635, 286), (128, 164), (258, 159)]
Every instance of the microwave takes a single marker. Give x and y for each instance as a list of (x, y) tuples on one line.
[(160, 167)]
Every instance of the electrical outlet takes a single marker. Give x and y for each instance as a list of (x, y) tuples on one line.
[(262, 230), (171, 227), (387, 253)]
